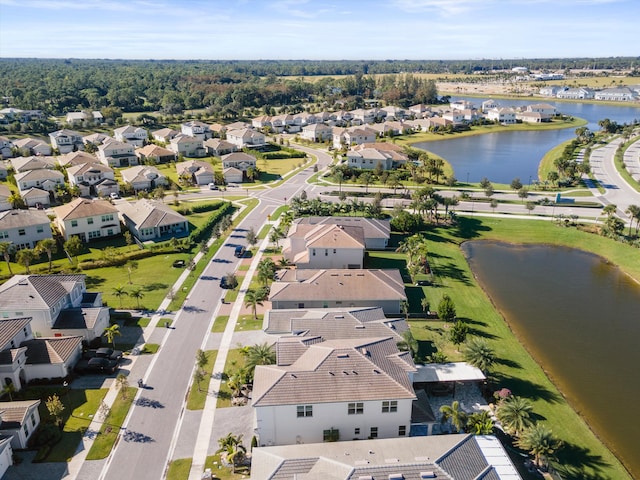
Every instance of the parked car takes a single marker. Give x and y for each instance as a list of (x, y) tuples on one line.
[(240, 251), (114, 196), (97, 365), (213, 186), (104, 352)]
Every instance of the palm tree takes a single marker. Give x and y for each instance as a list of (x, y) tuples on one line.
[(514, 413), (634, 214), (6, 249), (131, 266), (48, 246), (252, 298), (231, 446), (138, 294), (259, 354), (275, 236), (480, 423), (9, 389), (16, 201), (539, 441), (120, 292), (454, 413), (25, 257), (366, 178), (111, 333), (479, 354), (266, 269)]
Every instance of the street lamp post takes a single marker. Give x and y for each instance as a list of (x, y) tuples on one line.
[(467, 178)]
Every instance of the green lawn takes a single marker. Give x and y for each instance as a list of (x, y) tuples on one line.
[(105, 440), (150, 348), (585, 456), (225, 473), (264, 231), (619, 161), (235, 360), (179, 469), (247, 322), (198, 395), (220, 324)]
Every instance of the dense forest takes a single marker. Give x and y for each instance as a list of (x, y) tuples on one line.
[(229, 88)]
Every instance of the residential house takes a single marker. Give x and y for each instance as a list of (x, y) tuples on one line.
[(456, 117), (617, 94), (36, 197), (394, 113), (24, 164), (217, 129), (532, 117), (187, 146), (58, 305), (24, 228), (66, 141), (337, 389), (77, 158), (96, 139), (196, 129), (246, 137), (544, 108), (353, 136), (489, 105), (24, 358), (377, 154), (164, 134), (502, 115), (19, 420), (43, 178), (580, 93), (308, 288), (419, 125), (326, 246), (33, 146), (6, 454), (549, 90), (4, 171), (376, 231), (361, 116), (199, 172), (261, 121), (420, 110), (5, 194), (240, 160), (6, 147), (304, 118), (114, 153), (79, 118), (470, 115), (461, 105), (153, 220), (17, 115), (459, 456), (93, 179), (155, 154), (144, 177), (317, 132), (87, 219), (217, 147), (283, 123), (137, 136), (233, 175)]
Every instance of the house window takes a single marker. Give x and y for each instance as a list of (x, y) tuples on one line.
[(107, 218), (26, 333), (93, 235), (40, 229), (4, 234), (90, 220), (355, 408), (356, 431), (304, 411), (373, 433), (313, 252), (331, 435), (25, 427), (402, 430), (21, 232), (33, 420), (74, 223), (389, 406), (326, 252)]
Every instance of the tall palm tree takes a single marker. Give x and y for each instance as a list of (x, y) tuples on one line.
[(454, 413), (138, 294), (539, 441), (48, 246), (111, 333), (16, 201), (253, 298), (259, 354), (120, 292), (366, 178), (479, 354), (6, 249), (266, 269), (634, 213), (480, 423), (514, 413), (25, 257)]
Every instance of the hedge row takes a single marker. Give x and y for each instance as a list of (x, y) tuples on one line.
[(204, 231), (199, 208)]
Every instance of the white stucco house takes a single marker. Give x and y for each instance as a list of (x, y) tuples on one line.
[(137, 136), (153, 220), (44, 178), (376, 232), (66, 141), (246, 137), (90, 179), (24, 228), (196, 129), (87, 219), (144, 177), (187, 146), (114, 153), (201, 173), (502, 115), (19, 420)]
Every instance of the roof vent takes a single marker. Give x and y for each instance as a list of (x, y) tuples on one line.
[(360, 327), (365, 477), (427, 474), (339, 316), (376, 371), (343, 355), (364, 351), (392, 460), (396, 476)]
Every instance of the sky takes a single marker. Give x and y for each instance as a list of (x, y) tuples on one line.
[(319, 29)]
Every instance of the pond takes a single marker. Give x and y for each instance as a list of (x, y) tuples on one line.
[(579, 316), (505, 155)]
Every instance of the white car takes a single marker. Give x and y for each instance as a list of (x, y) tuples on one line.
[(114, 196), (213, 186)]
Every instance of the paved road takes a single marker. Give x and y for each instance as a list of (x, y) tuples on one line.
[(144, 446)]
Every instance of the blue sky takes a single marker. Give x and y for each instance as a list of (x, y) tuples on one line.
[(319, 29)]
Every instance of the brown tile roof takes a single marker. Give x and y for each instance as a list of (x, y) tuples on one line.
[(14, 413), (336, 371), (373, 228), (150, 213), (51, 350), (82, 208), (9, 328), (152, 150), (335, 236)]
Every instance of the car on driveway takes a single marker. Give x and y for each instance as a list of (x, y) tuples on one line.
[(97, 365), (104, 352), (213, 186)]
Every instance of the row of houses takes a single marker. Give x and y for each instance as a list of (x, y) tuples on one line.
[(630, 93)]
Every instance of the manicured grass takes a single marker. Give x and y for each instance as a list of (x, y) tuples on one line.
[(220, 324), (150, 348), (247, 322), (226, 473), (546, 164), (235, 360), (279, 211), (586, 456), (105, 440), (179, 469), (619, 161), (264, 231), (137, 322), (243, 268), (198, 396), (165, 322)]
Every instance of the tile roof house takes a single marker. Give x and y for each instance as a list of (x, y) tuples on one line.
[(6, 454), (240, 160), (5, 193), (307, 288), (57, 304), (617, 94), (66, 141), (156, 154), (35, 146), (77, 158), (164, 134), (24, 228), (218, 147), (198, 172), (144, 177), (446, 457), (44, 178), (24, 164), (353, 136), (36, 197), (246, 137), (187, 146), (153, 220), (19, 420), (196, 129), (87, 219), (6, 149), (96, 139), (113, 153), (317, 132), (136, 136), (325, 246), (92, 179), (77, 118), (502, 115), (370, 158), (232, 175)]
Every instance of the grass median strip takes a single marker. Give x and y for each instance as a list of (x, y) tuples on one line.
[(179, 469), (198, 393), (235, 360), (108, 434), (220, 324)]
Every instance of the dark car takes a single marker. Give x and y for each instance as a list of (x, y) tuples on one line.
[(240, 251), (97, 365), (223, 283), (109, 353)]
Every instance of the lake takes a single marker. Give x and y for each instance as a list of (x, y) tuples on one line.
[(505, 155), (579, 316)]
